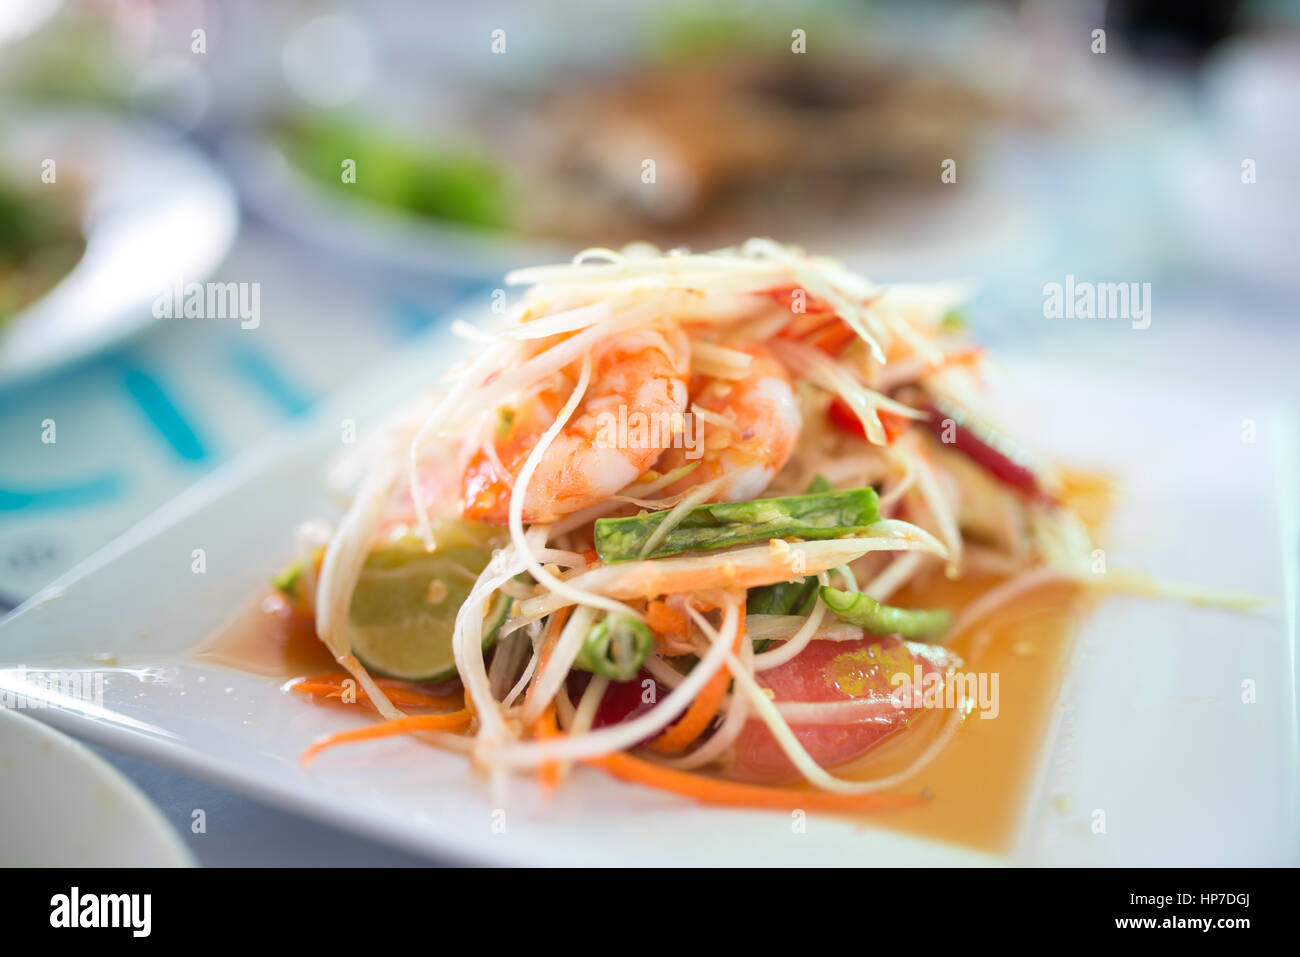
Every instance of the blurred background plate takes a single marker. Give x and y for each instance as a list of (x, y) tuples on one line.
[(152, 210), (397, 143), (64, 807)]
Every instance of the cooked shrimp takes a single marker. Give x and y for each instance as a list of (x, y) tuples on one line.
[(749, 429), (638, 377)]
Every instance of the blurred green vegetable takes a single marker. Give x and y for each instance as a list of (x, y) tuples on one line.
[(695, 31), (954, 320), (286, 580), (457, 186), (40, 242)]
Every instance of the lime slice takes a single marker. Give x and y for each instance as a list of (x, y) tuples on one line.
[(403, 611)]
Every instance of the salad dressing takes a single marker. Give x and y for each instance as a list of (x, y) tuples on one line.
[(980, 778), (270, 637)]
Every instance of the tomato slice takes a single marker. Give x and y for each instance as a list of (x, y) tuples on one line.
[(992, 451), (830, 671)]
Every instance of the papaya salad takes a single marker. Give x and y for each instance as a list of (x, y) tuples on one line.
[(654, 524)]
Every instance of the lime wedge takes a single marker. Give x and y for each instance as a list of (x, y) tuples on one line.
[(403, 611)]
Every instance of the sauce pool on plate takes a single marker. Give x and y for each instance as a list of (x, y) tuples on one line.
[(272, 638)]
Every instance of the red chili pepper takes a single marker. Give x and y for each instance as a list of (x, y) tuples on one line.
[(990, 450), (846, 420)]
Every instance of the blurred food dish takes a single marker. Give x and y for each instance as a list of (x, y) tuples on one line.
[(738, 144), (148, 210), (40, 242), (701, 132), (441, 184)]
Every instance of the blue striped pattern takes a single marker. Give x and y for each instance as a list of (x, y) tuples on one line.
[(163, 411), (68, 495), (266, 376)]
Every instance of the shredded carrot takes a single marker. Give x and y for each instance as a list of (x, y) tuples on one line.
[(400, 693), (553, 629), (548, 772), (678, 737), (961, 357), (387, 729), (664, 620), (713, 791), (833, 337), (807, 323), (816, 324)]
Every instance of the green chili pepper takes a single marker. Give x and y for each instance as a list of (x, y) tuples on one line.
[(864, 611), (615, 647), (707, 527)]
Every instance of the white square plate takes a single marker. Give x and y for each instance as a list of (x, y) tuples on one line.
[(1151, 731)]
